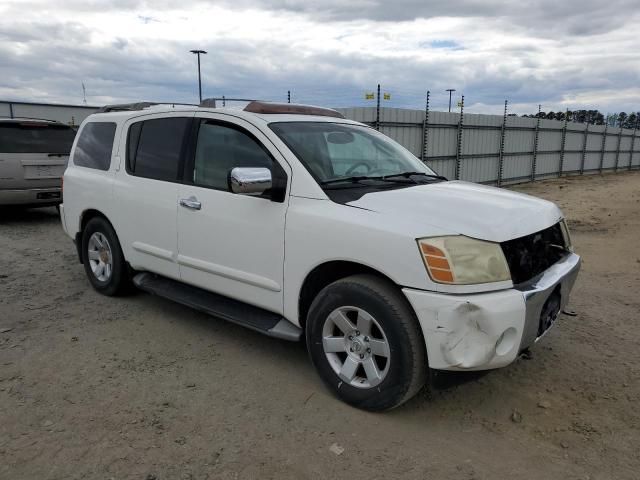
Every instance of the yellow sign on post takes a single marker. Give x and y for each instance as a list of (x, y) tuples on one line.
[(369, 96), (387, 96)]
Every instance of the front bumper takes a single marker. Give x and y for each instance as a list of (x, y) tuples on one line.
[(488, 330), (31, 196)]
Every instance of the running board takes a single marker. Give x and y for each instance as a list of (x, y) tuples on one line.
[(234, 311)]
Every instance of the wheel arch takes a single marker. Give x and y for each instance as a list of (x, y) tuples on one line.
[(87, 215), (326, 273)]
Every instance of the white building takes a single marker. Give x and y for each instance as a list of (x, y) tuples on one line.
[(69, 114)]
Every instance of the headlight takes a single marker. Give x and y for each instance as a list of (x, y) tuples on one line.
[(462, 260)]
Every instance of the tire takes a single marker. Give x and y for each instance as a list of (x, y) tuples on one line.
[(106, 267), (366, 300)]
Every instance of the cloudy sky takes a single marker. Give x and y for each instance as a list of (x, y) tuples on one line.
[(560, 53)]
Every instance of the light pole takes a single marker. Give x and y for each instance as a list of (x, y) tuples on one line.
[(450, 90), (198, 52)]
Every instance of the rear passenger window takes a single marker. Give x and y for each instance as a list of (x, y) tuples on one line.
[(94, 146), (154, 148)]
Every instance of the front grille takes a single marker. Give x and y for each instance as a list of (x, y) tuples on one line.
[(531, 255)]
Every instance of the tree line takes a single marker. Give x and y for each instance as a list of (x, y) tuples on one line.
[(593, 117)]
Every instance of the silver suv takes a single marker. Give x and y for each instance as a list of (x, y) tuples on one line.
[(33, 157)]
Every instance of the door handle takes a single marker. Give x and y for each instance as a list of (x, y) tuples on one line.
[(191, 202)]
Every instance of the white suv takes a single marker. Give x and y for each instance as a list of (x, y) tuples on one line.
[(296, 222)]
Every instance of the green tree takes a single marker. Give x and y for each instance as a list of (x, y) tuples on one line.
[(632, 120), (622, 119)]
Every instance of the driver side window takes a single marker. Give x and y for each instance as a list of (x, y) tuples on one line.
[(221, 148)]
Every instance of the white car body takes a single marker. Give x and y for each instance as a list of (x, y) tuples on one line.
[(261, 252)]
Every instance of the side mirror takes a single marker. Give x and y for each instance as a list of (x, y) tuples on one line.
[(250, 180)]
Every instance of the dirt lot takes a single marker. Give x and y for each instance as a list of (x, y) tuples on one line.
[(139, 387)]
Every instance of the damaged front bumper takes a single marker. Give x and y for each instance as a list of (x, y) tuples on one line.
[(488, 330)]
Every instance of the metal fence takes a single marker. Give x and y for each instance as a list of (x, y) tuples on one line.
[(494, 149), (499, 149)]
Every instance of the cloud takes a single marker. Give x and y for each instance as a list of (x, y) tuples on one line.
[(570, 17), (561, 54)]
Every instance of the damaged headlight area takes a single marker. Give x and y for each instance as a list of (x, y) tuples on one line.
[(460, 260), (565, 235)]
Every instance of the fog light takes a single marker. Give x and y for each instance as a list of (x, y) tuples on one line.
[(507, 341)]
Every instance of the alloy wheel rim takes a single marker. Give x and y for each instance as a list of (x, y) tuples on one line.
[(100, 256), (356, 347)]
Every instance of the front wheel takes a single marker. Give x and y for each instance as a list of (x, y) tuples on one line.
[(365, 342)]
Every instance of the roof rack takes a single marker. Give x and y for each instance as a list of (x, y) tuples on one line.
[(126, 107), (212, 102), (291, 108)]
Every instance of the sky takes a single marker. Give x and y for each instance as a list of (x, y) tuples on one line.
[(557, 53)]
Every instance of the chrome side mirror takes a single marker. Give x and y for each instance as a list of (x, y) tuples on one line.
[(250, 180)]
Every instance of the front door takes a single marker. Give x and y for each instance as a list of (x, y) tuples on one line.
[(229, 243)]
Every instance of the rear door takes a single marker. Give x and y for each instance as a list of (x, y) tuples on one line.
[(33, 154), (232, 244), (146, 192)]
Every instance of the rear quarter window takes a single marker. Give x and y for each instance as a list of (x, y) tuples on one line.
[(95, 145)]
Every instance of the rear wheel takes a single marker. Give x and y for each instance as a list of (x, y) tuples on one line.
[(365, 342), (103, 260)]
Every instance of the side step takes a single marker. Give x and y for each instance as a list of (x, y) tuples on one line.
[(234, 311)]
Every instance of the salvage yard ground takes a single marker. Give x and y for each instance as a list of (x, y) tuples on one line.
[(139, 387)]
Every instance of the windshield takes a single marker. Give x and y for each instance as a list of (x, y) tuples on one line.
[(29, 137), (334, 151)]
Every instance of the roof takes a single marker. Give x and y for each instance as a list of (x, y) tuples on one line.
[(121, 115)]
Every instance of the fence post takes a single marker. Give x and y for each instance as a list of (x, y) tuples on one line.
[(564, 140), (501, 154), (10, 110), (534, 162), (604, 142), (633, 141), (425, 130), (618, 147), (224, 102), (584, 145), (459, 146), (378, 109)]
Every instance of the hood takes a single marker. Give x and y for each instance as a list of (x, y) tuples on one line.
[(478, 211)]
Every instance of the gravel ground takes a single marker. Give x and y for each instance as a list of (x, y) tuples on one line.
[(139, 387)]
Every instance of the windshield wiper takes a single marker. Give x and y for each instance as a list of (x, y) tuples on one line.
[(354, 179), (393, 178), (410, 174), (358, 180)]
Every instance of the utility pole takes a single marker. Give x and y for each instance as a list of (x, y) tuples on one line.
[(378, 109), (450, 90), (198, 53)]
